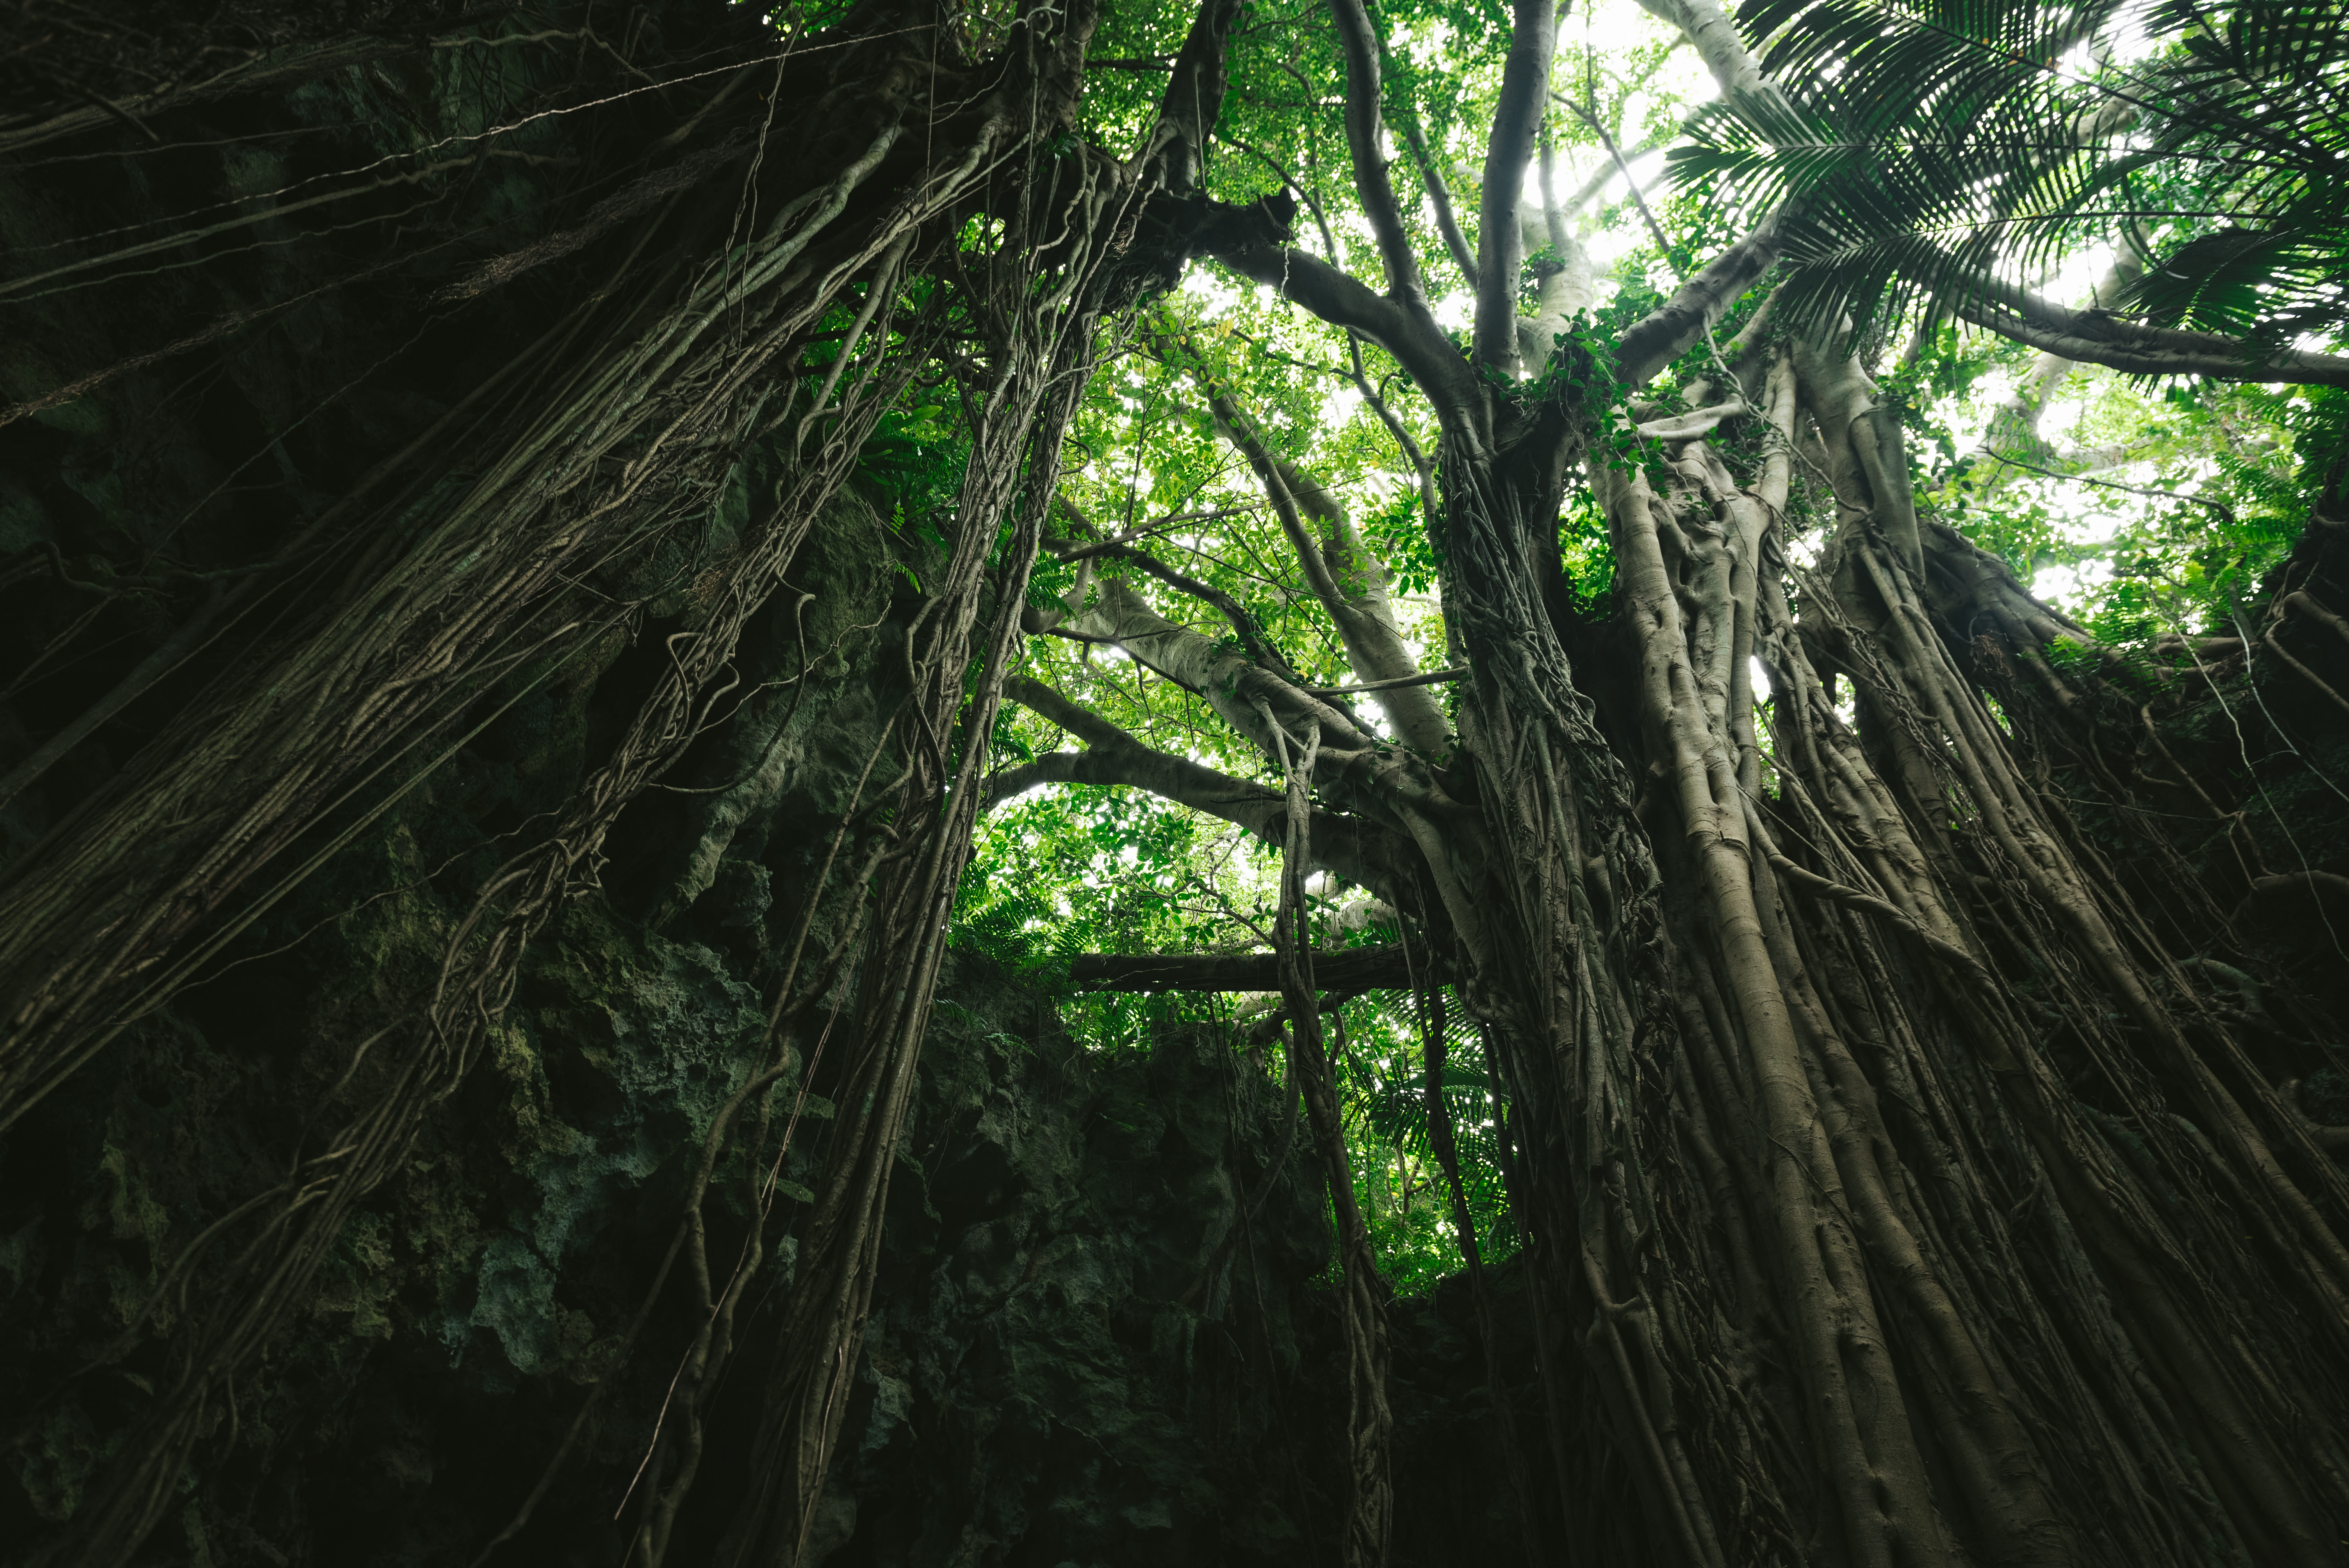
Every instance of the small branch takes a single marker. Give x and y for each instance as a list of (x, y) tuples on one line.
[(1811, 881), (2222, 508), (1623, 165), (1431, 679), (1348, 846), (1156, 525), (1439, 196), (1251, 635), (1598, 182)]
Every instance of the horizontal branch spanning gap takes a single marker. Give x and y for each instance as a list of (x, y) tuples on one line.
[(1068, 551), (1337, 969), (1432, 677)]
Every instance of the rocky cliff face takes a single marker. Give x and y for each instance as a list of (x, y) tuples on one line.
[(1087, 1343), (1095, 1271), (1098, 1333)]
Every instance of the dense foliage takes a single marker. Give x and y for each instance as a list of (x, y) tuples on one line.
[(2145, 507)]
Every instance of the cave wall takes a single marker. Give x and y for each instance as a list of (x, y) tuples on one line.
[(1079, 1350)]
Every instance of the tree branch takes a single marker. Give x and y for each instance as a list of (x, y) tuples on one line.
[(1364, 140), (1508, 153), (1250, 697), (1243, 626), (1346, 846), (1411, 335), (1194, 100), (1348, 969), (2226, 513), (1073, 553), (1623, 164), (1715, 38), (1668, 331), (1439, 196), (1598, 182), (1433, 677), (1349, 580), (2099, 337)]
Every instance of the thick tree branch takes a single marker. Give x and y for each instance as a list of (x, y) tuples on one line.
[(1411, 335), (1690, 426), (1193, 102), (1073, 717), (1508, 154), (1365, 137), (1349, 969), (2099, 337), (1673, 327), (1715, 38)]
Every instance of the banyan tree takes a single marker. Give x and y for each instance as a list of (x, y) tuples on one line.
[(489, 490)]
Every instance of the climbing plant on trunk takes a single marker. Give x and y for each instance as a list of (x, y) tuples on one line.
[(1867, 1134), (1902, 1180), (891, 172)]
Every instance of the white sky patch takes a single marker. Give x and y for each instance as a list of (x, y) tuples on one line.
[(1340, 408), (1648, 169), (2077, 278), (2058, 585), (1684, 80), (1214, 296), (1761, 678), (1454, 312)]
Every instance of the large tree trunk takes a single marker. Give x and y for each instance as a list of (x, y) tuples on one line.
[(1891, 953)]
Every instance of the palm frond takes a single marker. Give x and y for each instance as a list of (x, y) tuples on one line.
[(1923, 147)]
